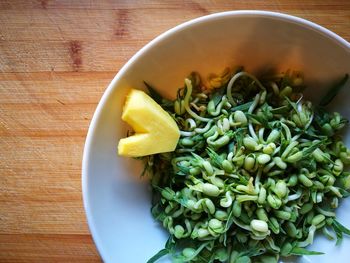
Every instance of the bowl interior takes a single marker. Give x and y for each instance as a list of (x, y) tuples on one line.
[(116, 199)]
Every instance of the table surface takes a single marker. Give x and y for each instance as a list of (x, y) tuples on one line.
[(56, 59)]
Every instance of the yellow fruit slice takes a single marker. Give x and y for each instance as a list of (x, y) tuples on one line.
[(155, 130)]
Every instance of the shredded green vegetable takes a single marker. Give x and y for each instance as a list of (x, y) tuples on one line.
[(257, 172)]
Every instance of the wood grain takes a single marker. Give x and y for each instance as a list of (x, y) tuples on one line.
[(56, 58), (34, 248)]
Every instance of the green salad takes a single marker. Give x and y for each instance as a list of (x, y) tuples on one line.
[(257, 172)]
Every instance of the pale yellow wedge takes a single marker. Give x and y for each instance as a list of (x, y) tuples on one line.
[(155, 130)]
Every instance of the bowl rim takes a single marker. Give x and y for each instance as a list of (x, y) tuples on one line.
[(97, 114)]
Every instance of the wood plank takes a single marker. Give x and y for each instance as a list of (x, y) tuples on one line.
[(131, 24), (38, 56), (65, 42), (173, 4), (45, 197), (53, 87), (40, 185), (45, 119), (86, 24), (47, 248)]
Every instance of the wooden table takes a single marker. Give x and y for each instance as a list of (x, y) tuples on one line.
[(56, 59)]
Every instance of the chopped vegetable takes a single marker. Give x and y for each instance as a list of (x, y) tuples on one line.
[(256, 173)]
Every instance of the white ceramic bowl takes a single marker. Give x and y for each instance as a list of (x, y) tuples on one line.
[(116, 200)]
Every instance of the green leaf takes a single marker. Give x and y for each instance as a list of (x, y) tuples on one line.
[(265, 111), (157, 213), (183, 170), (153, 93), (284, 142), (197, 158), (215, 158), (311, 165), (341, 227), (338, 232), (158, 188), (217, 96), (157, 256), (280, 110), (254, 251), (165, 103), (242, 107), (259, 119), (170, 243), (293, 104), (344, 193), (239, 136), (229, 223), (182, 201), (332, 92), (312, 148), (299, 251)]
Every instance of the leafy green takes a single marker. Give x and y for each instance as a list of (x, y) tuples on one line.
[(215, 158), (339, 230), (334, 91), (157, 97), (243, 107), (299, 251), (159, 255), (250, 190)]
